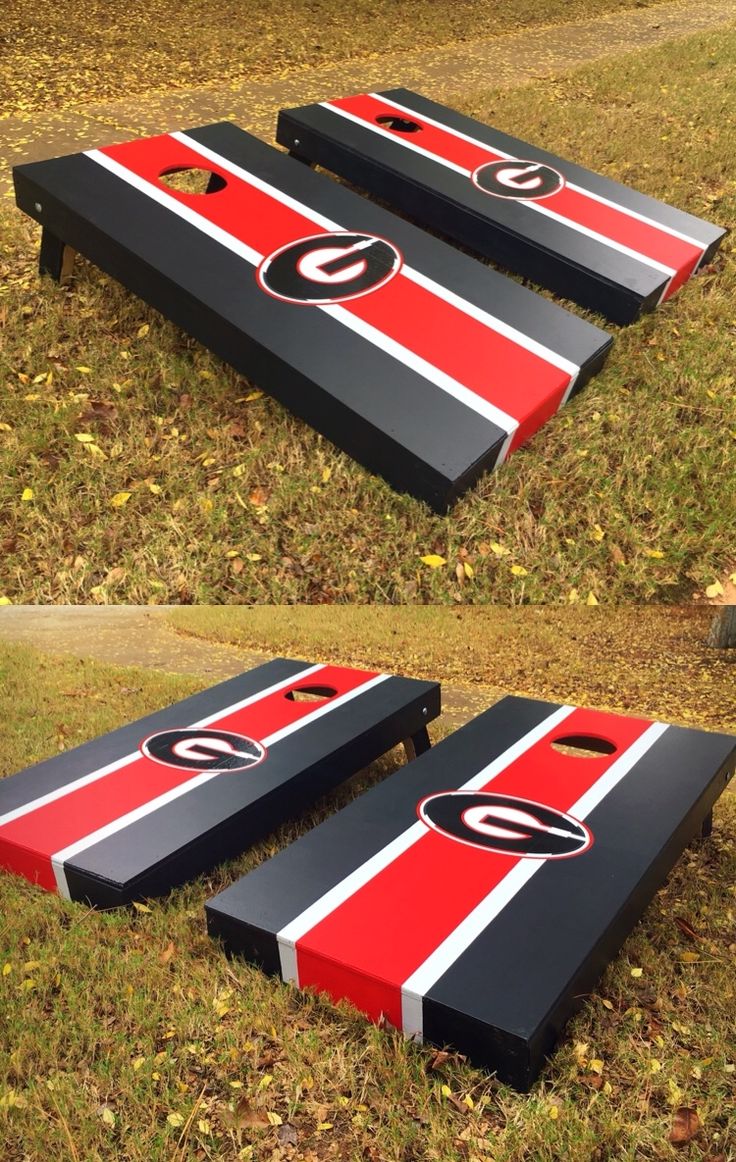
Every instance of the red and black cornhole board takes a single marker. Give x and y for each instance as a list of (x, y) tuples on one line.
[(474, 898), (418, 361), (580, 234), (153, 804)]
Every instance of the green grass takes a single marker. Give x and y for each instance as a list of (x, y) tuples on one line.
[(61, 55), (624, 495), (112, 1023)]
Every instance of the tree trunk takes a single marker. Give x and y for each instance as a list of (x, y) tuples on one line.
[(723, 629)]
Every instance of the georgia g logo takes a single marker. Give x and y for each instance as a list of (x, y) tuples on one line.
[(528, 180), (194, 749), (505, 824), (329, 268)]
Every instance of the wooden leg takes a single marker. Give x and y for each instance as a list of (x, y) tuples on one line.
[(707, 825), (56, 258), (417, 744)]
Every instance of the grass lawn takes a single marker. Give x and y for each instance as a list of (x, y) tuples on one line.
[(134, 466), (56, 56), (128, 1035)]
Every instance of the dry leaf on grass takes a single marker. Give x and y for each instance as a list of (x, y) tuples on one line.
[(287, 1135), (685, 1126), (168, 952), (245, 1116), (687, 928)]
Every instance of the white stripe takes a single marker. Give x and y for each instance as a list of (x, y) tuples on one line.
[(536, 206), (59, 858), (435, 375), (258, 183), (570, 185), (325, 709), (495, 324), (337, 895), (452, 947), (100, 773), (176, 207), (378, 338), (539, 208), (411, 145)]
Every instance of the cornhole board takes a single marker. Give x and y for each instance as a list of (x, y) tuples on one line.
[(148, 806), (569, 229), (474, 898), (418, 361)]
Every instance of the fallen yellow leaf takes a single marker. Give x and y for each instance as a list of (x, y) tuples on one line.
[(433, 560), (84, 437), (714, 590), (175, 1120), (27, 494), (143, 331), (637, 971), (120, 498), (519, 571)]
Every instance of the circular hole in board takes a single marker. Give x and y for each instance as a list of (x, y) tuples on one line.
[(310, 693), (400, 124), (191, 179), (583, 746)]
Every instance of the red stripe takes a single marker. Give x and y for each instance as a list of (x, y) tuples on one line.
[(28, 843), (496, 368), (610, 221), (375, 940)]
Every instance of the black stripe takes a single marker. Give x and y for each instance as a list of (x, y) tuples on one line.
[(226, 815), (53, 773), (249, 914), (509, 994)]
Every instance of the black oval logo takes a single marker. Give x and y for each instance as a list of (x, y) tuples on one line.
[(329, 268), (527, 180), (505, 824), (196, 749)]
